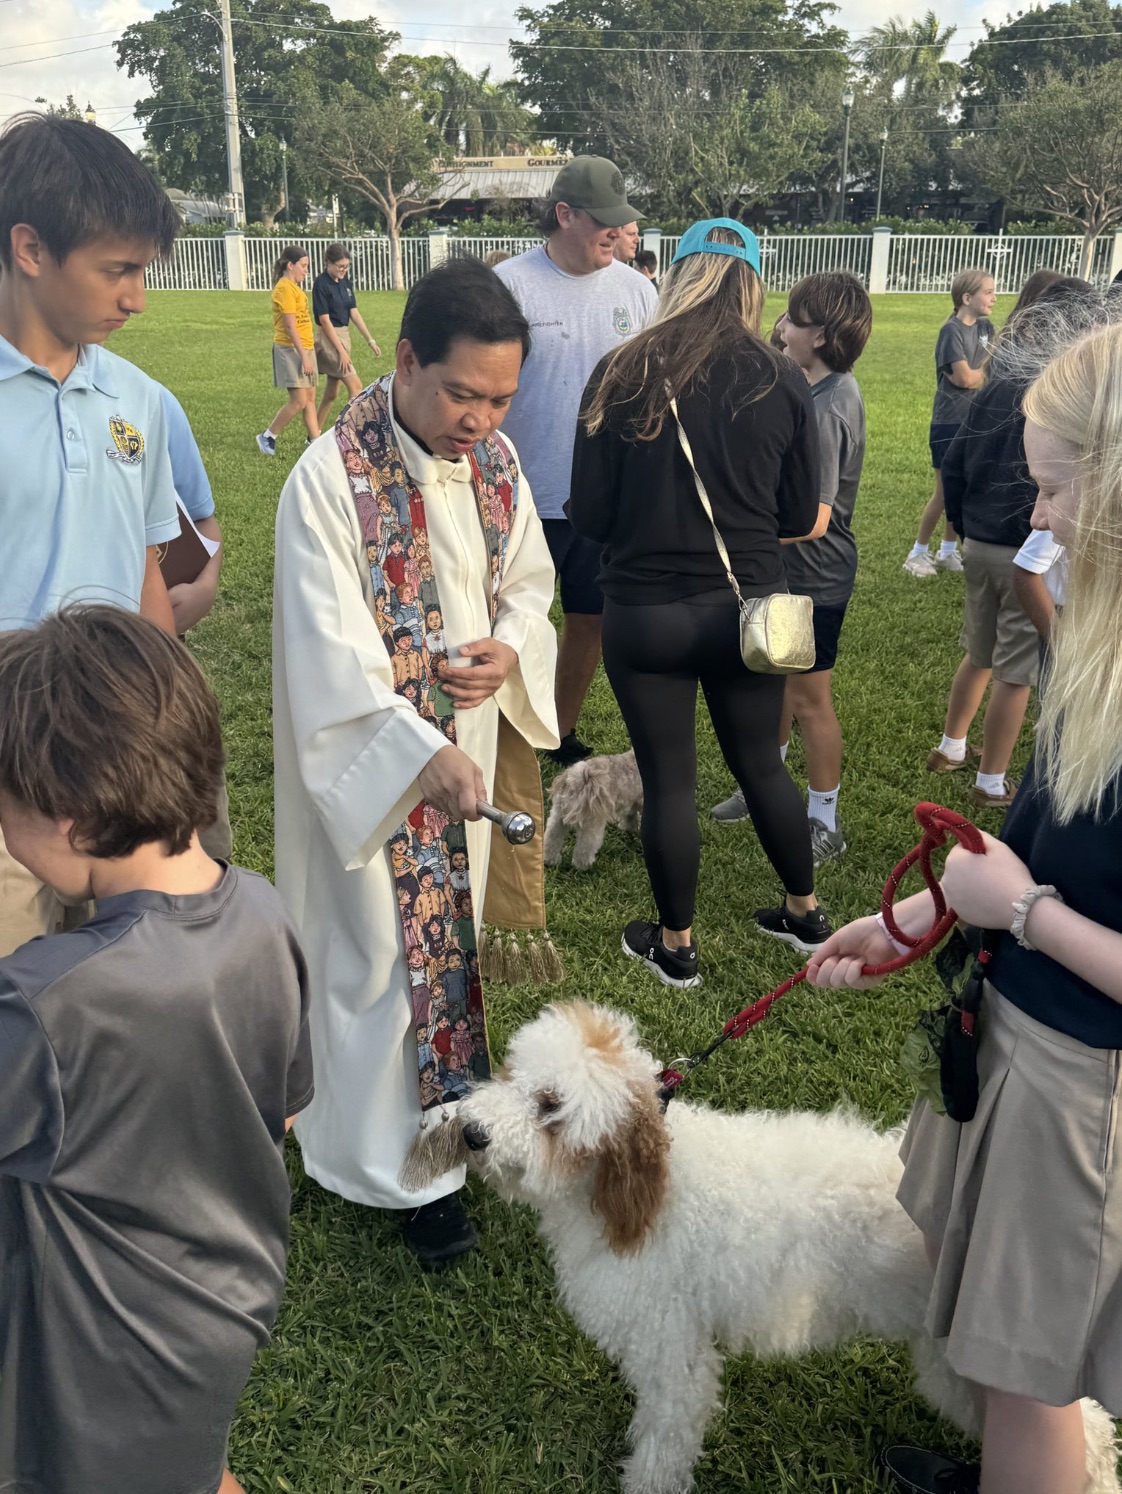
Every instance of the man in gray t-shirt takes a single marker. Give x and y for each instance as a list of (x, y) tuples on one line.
[(581, 302)]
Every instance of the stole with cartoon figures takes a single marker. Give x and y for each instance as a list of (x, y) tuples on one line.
[(428, 853)]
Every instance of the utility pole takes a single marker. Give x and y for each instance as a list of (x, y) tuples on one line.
[(284, 173), (235, 207), (847, 105), (880, 178)]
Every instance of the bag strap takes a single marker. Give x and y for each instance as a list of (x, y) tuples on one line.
[(687, 452)]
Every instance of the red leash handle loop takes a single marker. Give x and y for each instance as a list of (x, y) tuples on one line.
[(937, 823)]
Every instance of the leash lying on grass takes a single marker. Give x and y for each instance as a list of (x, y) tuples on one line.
[(937, 823)]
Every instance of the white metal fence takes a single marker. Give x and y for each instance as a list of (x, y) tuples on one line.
[(929, 262), (787, 257), (196, 264), (885, 262), (371, 261)]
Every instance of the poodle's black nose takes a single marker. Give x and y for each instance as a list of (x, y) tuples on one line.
[(476, 1138)]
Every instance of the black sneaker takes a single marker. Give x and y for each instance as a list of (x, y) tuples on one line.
[(572, 750), (674, 967), (439, 1232), (805, 932), (917, 1471)]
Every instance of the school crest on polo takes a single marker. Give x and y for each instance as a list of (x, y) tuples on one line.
[(128, 443), (621, 321)]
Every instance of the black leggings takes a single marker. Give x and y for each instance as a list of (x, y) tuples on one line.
[(655, 657)]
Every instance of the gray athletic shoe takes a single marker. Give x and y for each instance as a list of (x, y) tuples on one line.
[(731, 810), (267, 443), (826, 845)]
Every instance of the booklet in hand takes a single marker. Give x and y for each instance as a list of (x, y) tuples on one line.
[(184, 558)]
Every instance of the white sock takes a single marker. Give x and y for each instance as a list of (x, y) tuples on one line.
[(783, 751), (919, 549), (991, 783), (947, 547), (824, 807), (954, 749)]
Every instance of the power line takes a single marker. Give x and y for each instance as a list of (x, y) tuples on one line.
[(76, 52)]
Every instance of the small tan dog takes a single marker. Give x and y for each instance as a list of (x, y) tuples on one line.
[(587, 798)]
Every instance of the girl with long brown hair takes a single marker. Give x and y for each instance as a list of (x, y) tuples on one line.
[(671, 620)]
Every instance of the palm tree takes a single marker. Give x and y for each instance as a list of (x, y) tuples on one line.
[(911, 53), (475, 116)]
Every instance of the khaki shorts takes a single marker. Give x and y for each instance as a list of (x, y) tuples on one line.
[(996, 634), (1026, 1202), (288, 369), (28, 908), (327, 359)]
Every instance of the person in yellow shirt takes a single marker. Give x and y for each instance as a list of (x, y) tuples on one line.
[(294, 362)]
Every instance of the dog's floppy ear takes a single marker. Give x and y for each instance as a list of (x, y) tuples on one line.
[(632, 1175)]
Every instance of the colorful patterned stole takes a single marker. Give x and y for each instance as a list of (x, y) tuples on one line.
[(428, 853)]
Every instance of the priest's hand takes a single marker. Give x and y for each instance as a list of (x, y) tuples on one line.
[(492, 662), (453, 784)]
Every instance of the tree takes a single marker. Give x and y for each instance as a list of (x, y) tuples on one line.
[(289, 57), (383, 150), (1059, 151), (474, 116), (906, 59), (69, 110), (578, 65), (693, 141), (911, 88), (1060, 41)]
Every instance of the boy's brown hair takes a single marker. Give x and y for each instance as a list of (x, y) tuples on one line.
[(839, 304), (107, 720)]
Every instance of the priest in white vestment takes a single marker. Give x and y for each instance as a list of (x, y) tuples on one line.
[(353, 757)]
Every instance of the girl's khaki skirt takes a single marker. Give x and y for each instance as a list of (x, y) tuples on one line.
[(1026, 1202), (327, 359), (288, 369)]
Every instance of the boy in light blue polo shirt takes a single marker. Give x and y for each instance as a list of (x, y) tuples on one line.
[(86, 493)]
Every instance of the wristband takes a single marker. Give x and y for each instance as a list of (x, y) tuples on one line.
[(1022, 907), (901, 949)]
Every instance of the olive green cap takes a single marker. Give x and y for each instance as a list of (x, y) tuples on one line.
[(596, 186)]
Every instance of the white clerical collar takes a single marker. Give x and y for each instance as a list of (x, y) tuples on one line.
[(424, 468)]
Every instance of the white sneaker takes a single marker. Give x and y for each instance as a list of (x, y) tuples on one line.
[(920, 565), (951, 562), (267, 444)]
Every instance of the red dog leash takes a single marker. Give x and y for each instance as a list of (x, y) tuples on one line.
[(937, 824)]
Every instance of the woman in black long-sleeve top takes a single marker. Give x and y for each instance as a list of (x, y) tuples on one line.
[(671, 620)]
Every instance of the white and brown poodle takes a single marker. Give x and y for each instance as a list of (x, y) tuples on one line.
[(679, 1238), (587, 798)]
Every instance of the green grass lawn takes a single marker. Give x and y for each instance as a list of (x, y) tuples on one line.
[(380, 1378)]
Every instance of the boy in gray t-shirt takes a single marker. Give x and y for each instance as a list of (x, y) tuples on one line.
[(150, 1062), (960, 354), (824, 330)]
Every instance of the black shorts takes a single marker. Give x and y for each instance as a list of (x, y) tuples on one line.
[(577, 563), (827, 629), (939, 438)]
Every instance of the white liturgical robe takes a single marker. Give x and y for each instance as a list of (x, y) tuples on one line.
[(347, 754)]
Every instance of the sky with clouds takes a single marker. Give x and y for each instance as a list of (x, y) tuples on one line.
[(49, 48)]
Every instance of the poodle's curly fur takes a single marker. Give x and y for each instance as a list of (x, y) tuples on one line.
[(587, 798), (671, 1235)]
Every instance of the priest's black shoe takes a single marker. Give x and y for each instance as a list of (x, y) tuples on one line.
[(439, 1232)]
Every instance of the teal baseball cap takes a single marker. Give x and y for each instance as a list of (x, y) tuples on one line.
[(696, 240)]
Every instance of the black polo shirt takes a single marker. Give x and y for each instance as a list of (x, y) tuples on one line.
[(333, 298)]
